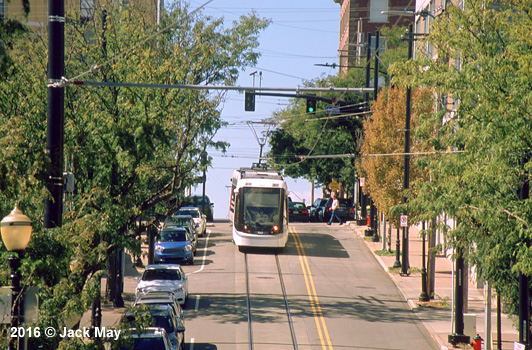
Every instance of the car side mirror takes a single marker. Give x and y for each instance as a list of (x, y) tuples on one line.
[(180, 329)]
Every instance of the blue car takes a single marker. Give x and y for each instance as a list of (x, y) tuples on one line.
[(174, 246)]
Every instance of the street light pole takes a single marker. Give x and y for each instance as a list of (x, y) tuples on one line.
[(16, 234), (458, 337), (405, 265), (524, 280), (424, 295)]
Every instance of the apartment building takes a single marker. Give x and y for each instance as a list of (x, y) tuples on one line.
[(37, 18), (359, 17)]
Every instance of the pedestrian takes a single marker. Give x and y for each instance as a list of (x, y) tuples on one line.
[(334, 208)]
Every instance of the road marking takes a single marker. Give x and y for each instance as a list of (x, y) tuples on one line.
[(196, 308), (204, 252), (323, 333), (191, 344)]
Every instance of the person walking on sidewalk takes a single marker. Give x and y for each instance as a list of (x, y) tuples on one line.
[(334, 208)]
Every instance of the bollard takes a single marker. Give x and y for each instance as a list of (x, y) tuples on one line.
[(477, 342)]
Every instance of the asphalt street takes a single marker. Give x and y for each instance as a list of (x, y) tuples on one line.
[(327, 291)]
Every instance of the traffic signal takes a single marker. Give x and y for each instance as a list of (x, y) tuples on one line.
[(249, 101), (311, 105)]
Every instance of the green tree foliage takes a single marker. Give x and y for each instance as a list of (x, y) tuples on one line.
[(383, 136), (133, 151), (482, 79)]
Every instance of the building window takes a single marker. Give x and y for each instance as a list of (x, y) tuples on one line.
[(375, 8), (86, 8)]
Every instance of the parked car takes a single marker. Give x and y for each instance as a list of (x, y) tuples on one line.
[(200, 219), (318, 204), (185, 221), (163, 278), (205, 205), (161, 297), (148, 339), (162, 316), (345, 210), (175, 245), (297, 211)]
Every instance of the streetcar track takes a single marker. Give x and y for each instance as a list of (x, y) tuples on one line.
[(285, 299)]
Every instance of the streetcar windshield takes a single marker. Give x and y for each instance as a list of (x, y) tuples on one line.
[(260, 208)]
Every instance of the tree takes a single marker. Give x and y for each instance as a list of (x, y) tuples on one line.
[(384, 136), (483, 84), (300, 135), (133, 151)]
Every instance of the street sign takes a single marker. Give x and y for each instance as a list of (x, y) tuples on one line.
[(362, 181), (332, 109), (519, 346), (334, 185), (403, 220)]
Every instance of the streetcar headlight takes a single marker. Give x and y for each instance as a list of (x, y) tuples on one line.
[(275, 229), (246, 228)]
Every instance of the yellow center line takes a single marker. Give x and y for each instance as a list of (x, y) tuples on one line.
[(323, 333)]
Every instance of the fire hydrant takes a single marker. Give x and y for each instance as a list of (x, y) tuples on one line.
[(477, 342), (368, 220)]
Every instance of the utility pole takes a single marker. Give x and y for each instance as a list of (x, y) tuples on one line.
[(53, 211), (405, 265)]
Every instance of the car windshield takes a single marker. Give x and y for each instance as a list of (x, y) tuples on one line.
[(163, 321), (174, 236), (191, 212), (297, 205), (148, 343), (158, 274), (177, 221)]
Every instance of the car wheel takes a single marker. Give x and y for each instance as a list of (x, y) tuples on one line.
[(321, 217)]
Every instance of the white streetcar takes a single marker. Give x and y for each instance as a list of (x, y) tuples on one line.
[(258, 209)]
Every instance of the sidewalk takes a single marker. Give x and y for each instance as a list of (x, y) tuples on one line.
[(436, 314)]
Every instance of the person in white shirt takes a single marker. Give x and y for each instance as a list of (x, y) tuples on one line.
[(334, 208)]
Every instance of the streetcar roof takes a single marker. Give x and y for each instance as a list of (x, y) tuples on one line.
[(250, 173), (261, 182)]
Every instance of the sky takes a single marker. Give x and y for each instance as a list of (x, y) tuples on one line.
[(303, 33)]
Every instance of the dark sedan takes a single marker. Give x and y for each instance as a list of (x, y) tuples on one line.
[(345, 210), (297, 211)]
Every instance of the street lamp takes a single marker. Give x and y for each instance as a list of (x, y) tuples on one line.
[(16, 233)]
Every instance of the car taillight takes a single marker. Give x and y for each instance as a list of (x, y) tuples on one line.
[(305, 211)]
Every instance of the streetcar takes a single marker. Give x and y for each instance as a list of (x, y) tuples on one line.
[(258, 209)]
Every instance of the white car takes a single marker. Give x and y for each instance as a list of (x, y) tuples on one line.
[(199, 218), (164, 278)]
